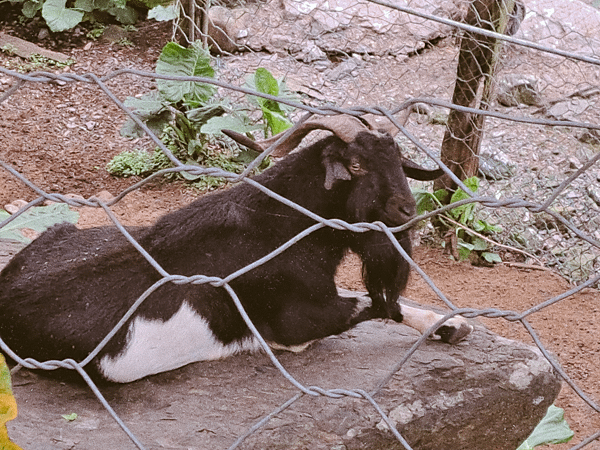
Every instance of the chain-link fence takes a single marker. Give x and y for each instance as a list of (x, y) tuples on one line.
[(538, 156), (344, 53)]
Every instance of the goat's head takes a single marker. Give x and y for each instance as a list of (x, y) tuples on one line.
[(367, 167)]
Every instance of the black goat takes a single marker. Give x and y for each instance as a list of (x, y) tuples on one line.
[(63, 293)]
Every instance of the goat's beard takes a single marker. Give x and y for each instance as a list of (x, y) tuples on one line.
[(385, 271)]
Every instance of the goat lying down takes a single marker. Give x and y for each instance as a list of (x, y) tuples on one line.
[(63, 293)]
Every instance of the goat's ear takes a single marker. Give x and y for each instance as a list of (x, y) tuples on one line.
[(334, 171), (416, 172)]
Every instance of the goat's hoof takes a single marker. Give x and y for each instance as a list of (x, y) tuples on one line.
[(454, 330)]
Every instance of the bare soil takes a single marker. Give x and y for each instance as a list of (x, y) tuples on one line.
[(61, 138)]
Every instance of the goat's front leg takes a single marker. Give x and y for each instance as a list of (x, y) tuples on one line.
[(452, 331)]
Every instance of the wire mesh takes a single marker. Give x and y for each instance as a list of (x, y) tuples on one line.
[(538, 156)]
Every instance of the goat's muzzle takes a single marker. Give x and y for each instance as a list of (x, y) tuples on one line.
[(399, 210)]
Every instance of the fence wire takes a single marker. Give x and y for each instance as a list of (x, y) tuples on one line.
[(345, 52), (547, 207)]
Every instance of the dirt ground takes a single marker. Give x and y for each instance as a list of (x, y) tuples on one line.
[(61, 137)]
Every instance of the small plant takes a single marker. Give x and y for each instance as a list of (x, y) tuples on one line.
[(188, 117), (131, 163), (9, 49), (464, 229), (35, 63), (124, 42), (59, 17), (274, 113), (95, 33), (41, 62)]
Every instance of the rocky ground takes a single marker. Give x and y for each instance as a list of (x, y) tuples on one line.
[(61, 137)]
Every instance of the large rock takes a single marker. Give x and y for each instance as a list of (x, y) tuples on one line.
[(486, 390), (567, 25), (341, 26), (348, 27)]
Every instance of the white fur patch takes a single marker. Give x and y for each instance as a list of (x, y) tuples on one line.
[(154, 346)]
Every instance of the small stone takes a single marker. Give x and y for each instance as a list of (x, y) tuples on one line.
[(516, 89), (105, 196), (43, 34), (594, 193), (574, 163), (15, 206), (589, 136)]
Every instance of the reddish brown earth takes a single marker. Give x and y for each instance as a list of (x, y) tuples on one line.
[(61, 137)]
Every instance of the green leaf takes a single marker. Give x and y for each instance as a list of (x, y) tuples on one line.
[(181, 61), (58, 17), (84, 5), (276, 120), (273, 113), (162, 14), (553, 429), (466, 245), (479, 244), (124, 14), (266, 83), (147, 106), (464, 250), (465, 214), (424, 200), (30, 8), (491, 257), (441, 195), (102, 5), (472, 183), (121, 4), (150, 110), (70, 417), (246, 156), (38, 219), (203, 114), (228, 122)]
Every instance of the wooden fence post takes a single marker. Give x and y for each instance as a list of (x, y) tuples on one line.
[(474, 86)]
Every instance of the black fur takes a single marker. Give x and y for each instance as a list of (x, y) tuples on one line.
[(64, 292)]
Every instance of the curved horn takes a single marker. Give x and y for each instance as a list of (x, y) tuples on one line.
[(343, 126), (416, 172), (382, 123)]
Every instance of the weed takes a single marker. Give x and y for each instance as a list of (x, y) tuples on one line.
[(9, 49), (188, 117), (464, 231), (35, 63), (95, 33), (124, 42), (131, 163)]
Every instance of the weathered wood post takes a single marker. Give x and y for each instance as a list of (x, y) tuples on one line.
[(474, 82), (195, 20)]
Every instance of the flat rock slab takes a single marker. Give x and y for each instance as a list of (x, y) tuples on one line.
[(486, 390), (26, 49)]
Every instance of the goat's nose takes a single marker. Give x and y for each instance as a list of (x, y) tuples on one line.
[(399, 210)]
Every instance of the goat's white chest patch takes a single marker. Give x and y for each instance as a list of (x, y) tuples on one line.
[(154, 346)]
